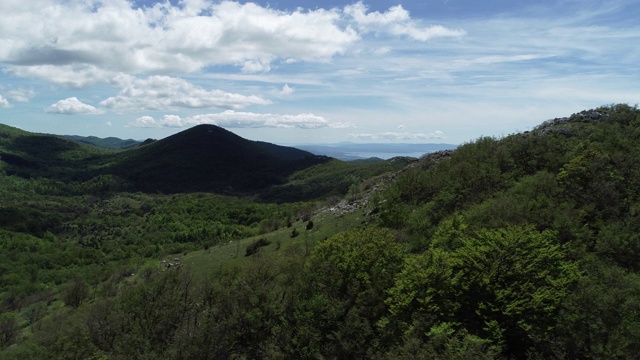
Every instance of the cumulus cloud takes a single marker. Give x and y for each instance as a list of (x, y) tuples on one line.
[(396, 21), (115, 37), (144, 122), (79, 43), (73, 106), (286, 90), (4, 103), (398, 136), (234, 119), (170, 93)]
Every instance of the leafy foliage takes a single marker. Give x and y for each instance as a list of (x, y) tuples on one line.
[(503, 285), (342, 299)]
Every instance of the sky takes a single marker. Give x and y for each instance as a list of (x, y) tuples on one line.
[(304, 72)]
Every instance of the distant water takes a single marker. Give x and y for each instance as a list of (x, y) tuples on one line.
[(383, 155), (352, 151)]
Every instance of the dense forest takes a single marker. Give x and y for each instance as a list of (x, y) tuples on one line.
[(520, 247)]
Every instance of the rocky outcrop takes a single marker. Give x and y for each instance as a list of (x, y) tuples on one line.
[(555, 125), (429, 160), (360, 201)]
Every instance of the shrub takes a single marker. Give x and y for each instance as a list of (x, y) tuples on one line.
[(76, 292), (255, 246)]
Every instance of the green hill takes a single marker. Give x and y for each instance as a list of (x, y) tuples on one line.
[(48, 156)]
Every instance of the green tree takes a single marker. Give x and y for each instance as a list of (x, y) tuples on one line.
[(505, 285), (443, 342), (594, 183), (343, 296), (513, 281), (424, 292), (76, 292), (600, 319)]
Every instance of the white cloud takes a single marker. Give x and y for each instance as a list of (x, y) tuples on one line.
[(382, 51), (425, 34), (234, 119), (286, 90), (4, 103), (21, 95), (72, 106), (499, 59), (80, 43), (109, 123), (95, 38), (395, 14), (171, 121), (17, 95), (169, 93), (73, 76), (398, 136), (342, 125), (255, 66), (144, 122), (396, 21)]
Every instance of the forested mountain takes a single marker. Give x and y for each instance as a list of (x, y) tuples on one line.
[(521, 247), (209, 158), (203, 158)]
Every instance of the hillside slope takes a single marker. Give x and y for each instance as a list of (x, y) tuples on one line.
[(498, 225), (29, 154)]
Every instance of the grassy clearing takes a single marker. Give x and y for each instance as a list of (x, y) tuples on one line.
[(224, 257)]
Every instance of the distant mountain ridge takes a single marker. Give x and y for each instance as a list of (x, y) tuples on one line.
[(109, 142)]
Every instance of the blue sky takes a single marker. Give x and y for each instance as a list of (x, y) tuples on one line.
[(295, 72)]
